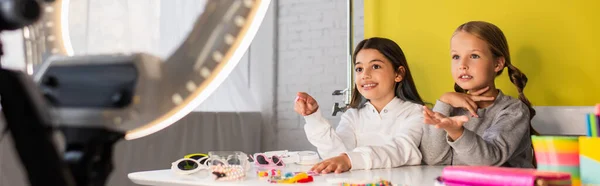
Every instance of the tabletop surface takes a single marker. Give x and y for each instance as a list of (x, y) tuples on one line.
[(407, 175)]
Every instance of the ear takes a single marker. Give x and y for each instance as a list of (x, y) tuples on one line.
[(400, 74), (500, 62)]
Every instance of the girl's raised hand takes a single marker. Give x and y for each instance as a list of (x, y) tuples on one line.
[(452, 125), (305, 104), (467, 101)]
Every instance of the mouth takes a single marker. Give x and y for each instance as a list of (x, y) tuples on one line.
[(465, 77), (368, 86)]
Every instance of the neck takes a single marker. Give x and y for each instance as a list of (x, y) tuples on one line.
[(382, 102), (491, 92)]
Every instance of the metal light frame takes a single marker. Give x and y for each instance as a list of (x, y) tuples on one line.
[(167, 90)]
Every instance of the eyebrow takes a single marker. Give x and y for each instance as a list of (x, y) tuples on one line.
[(374, 60), (469, 51)]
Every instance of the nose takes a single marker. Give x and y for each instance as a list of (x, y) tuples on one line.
[(462, 64), (366, 74)]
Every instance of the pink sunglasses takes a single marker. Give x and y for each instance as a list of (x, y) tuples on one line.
[(264, 161)]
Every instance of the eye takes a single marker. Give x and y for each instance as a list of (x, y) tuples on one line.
[(455, 57), (474, 56), (359, 69), (376, 66)]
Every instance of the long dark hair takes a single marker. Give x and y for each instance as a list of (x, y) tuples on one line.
[(405, 89)]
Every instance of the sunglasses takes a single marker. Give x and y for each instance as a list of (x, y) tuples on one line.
[(266, 161), (198, 156), (190, 164), (297, 157), (302, 158), (228, 161)]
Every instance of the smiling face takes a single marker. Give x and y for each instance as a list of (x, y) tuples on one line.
[(375, 76), (474, 67)]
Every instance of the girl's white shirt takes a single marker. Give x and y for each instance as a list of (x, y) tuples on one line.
[(387, 139)]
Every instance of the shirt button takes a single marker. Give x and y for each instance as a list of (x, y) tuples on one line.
[(384, 110), (373, 111)]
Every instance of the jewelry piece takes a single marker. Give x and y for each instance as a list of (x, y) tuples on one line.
[(354, 182), (228, 172), (301, 177)]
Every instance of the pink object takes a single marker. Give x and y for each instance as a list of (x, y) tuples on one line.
[(299, 98), (492, 176), (312, 173), (597, 109), (561, 159), (264, 161)]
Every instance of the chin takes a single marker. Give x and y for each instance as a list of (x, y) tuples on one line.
[(369, 95), (466, 86)]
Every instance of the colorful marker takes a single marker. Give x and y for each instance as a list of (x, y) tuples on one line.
[(593, 125), (597, 120), (588, 124)]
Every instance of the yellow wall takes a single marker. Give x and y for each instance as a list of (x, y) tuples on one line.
[(556, 43)]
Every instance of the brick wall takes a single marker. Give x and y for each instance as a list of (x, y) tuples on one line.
[(312, 36)]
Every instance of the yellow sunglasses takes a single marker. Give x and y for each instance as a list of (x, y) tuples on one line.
[(196, 156)]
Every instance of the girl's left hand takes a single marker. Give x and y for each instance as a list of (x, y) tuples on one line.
[(336, 164)]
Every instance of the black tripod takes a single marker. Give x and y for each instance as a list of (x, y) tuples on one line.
[(87, 160)]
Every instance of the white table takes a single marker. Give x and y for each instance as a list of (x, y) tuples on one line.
[(409, 175)]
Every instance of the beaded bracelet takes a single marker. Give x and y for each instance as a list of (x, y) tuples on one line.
[(345, 182), (228, 172), (289, 177), (380, 183)]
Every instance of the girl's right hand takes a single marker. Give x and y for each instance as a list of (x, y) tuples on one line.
[(452, 125), (305, 104), (467, 101), (336, 164)]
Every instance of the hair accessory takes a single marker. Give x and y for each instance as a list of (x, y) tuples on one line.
[(262, 174), (228, 172), (268, 173), (311, 173)]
